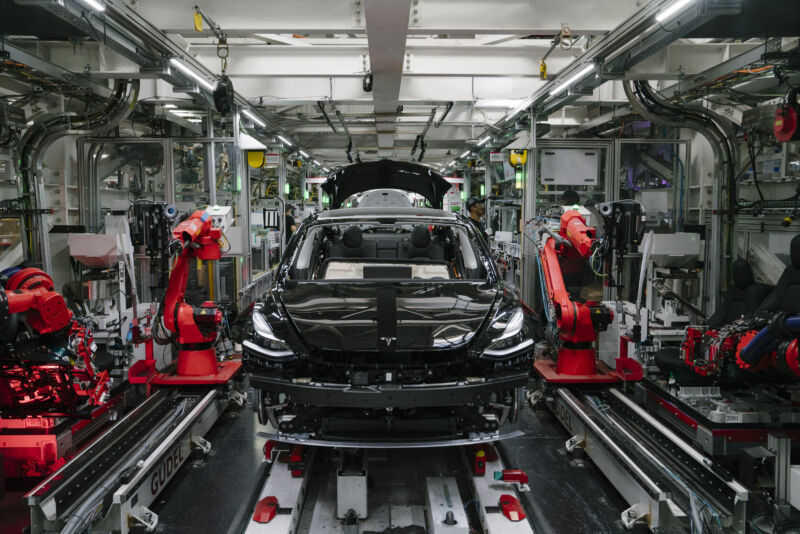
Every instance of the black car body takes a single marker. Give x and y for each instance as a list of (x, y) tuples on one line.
[(388, 324)]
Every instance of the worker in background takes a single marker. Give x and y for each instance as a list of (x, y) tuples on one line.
[(495, 223), (570, 198), (290, 224), (476, 211)]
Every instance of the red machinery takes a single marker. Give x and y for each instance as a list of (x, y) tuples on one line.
[(786, 119), (707, 352), (196, 328), (577, 322), (32, 382), (52, 393)]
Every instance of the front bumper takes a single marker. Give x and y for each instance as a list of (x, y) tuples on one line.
[(389, 395)]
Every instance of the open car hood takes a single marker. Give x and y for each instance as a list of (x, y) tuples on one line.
[(386, 174)]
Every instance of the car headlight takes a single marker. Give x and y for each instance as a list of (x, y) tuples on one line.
[(508, 335), (265, 342)]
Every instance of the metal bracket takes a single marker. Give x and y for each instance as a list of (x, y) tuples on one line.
[(147, 518), (415, 13), (535, 398), (201, 444), (357, 8), (238, 398), (575, 442), (633, 514)]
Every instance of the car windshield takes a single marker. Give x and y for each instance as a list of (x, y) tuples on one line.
[(376, 250)]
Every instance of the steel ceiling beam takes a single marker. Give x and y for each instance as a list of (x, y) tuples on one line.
[(332, 61), (133, 36), (55, 72), (634, 40), (522, 17), (387, 27)]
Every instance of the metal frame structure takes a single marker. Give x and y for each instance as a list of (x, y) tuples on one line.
[(89, 199), (530, 194)]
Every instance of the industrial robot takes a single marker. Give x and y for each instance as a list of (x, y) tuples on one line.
[(53, 370), (576, 322), (194, 329)]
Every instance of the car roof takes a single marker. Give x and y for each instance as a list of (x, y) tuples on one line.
[(385, 212)]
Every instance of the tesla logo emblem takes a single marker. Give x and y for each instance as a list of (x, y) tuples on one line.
[(388, 343)]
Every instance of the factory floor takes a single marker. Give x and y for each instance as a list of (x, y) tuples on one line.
[(214, 494)]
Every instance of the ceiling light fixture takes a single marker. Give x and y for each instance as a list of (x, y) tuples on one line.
[(484, 140), (304, 154), (170, 106), (191, 74), (94, 4), (465, 154), (672, 10), (317, 163), (253, 118), (282, 138), (573, 80)]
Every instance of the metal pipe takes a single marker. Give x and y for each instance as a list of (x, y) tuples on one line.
[(351, 142), (421, 137), (83, 516), (47, 129), (447, 109), (321, 106), (713, 127), (685, 447), (570, 399)]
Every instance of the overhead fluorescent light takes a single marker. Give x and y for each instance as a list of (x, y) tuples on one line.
[(572, 80), (304, 154), (253, 118), (465, 154), (170, 106), (672, 10), (451, 164), (247, 142), (94, 4), (184, 112), (317, 163), (484, 140), (326, 169), (191, 74), (194, 120), (282, 138)]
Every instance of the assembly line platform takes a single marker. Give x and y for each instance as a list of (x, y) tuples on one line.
[(217, 492), (217, 496)]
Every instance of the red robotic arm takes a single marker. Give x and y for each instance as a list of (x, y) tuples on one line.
[(49, 387), (577, 322), (31, 291), (196, 327)]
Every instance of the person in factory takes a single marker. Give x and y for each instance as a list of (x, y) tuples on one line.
[(290, 224), (476, 212), (570, 198)]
